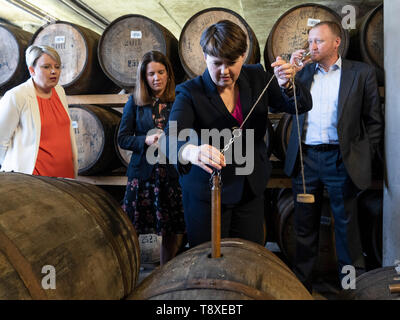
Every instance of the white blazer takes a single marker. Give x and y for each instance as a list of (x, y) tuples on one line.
[(20, 128)]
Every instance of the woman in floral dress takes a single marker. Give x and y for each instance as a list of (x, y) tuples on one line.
[(153, 198)]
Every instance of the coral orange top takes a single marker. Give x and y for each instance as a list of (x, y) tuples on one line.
[(55, 151)]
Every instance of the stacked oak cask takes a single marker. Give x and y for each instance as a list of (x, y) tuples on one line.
[(106, 63)]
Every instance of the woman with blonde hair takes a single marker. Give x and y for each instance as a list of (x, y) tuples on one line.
[(36, 134)]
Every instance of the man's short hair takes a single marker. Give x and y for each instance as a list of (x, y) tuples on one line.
[(335, 28)]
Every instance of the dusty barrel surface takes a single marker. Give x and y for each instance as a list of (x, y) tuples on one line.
[(13, 69), (73, 227), (375, 285), (76, 45), (125, 41), (95, 128), (367, 41), (190, 51), (290, 31), (286, 235), (245, 271)]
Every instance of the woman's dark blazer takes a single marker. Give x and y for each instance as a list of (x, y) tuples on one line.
[(198, 105), (136, 121)]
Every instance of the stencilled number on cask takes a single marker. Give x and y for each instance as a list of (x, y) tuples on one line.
[(133, 63), (59, 42), (133, 43)]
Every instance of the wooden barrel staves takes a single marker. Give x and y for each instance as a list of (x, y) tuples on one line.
[(371, 41), (123, 154), (125, 41), (286, 236), (376, 284), (13, 69), (290, 31), (64, 234), (367, 41), (95, 128), (282, 136), (76, 45), (190, 52), (244, 271)]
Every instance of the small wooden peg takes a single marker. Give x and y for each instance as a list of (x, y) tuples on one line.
[(305, 198)]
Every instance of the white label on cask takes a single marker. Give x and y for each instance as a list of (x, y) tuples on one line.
[(74, 124), (312, 22), (136, 34), (59, 39)]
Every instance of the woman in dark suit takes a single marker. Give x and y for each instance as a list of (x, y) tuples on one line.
[(153, 199), (221, 99)]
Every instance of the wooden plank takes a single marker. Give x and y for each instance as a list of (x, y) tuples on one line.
[(104, 180), (98, 99), (273, 183)]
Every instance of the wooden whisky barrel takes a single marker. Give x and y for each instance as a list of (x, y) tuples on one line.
[(282, 136), (290, 31), (375, 285), (190, 52), (13, 69), (367, 41), (76, 45), (95, 128), (372, 38), (286, 235), (123, 154), (244, 271), (125, 41), (73, 228)]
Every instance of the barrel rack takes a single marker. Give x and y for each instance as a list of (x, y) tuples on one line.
[(118, 177)]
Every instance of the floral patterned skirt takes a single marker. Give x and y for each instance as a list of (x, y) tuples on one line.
[(155, 205)]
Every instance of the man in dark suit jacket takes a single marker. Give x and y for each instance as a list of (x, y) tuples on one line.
[(339, 138), (204, 104)]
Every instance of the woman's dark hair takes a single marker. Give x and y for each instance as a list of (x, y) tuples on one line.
[(224, 39), (143, 93)]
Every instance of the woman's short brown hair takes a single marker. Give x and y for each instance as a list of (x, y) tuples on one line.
[(224, 39), (143, 93)]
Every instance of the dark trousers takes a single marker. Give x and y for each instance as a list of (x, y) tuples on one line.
[(325, 168), (242, 220)]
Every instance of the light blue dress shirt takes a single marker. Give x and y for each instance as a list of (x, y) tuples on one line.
[(320, 126)]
